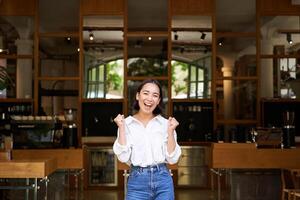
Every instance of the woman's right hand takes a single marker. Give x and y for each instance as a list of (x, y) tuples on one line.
[(119, 120)]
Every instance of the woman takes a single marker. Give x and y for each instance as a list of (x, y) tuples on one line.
[(147, 141)]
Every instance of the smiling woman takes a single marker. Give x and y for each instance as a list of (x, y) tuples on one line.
[(147, 142)]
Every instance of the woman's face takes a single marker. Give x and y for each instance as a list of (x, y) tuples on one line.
[(148, 98)]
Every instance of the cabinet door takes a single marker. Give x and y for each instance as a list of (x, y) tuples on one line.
[(193, 167), (102, 167)]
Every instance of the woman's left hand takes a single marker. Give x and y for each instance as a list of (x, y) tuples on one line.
[(172, 124)]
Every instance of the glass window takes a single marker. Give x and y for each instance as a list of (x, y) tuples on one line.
[(147, 57), (103, 57), (189, 80), (191, 57), (106, 79)]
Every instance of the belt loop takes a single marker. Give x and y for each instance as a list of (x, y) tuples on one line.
[(157, 166)]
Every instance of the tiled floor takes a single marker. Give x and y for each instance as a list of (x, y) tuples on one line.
[(244, 185), (58, 190), (181, 194)]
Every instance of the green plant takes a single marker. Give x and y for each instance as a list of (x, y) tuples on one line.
[(182, 67), (114, 80)]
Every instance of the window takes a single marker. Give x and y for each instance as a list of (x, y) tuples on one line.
[(105, 80), (191, 80)]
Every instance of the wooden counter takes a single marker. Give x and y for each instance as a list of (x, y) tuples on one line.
[(247, 156), (66, 158), (34, 168)]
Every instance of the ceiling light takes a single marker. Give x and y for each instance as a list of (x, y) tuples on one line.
[(1, 45), (175, 35), (149, 38), (91, 36), (289, 38), (203, 35), (220, 41)]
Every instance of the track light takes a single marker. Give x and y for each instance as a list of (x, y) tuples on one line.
[(289, 38), (220, 41), (203, 35), (175, 35), (91, 36)]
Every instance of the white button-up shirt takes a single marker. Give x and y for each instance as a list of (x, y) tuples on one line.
[(146, 145)]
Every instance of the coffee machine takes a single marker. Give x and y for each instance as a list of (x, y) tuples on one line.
[(70, 128), (288, 130)]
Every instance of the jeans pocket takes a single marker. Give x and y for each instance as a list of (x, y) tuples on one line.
[(164, 172)]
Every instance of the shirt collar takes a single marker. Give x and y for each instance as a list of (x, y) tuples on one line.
[(130, 119)]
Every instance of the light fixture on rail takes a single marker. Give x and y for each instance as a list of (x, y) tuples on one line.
[(203, 35), (221, 41), (175, 35), (289, 38), (91, 36)]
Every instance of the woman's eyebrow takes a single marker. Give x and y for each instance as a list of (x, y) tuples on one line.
[(145, 90)]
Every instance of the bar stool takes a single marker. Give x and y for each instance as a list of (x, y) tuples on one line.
[(288, 184), (296, 196)]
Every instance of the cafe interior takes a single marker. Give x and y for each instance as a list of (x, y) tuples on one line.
[(230, 73)]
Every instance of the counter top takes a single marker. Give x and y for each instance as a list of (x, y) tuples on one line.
[(66, 158), (247, 156), (23, 168), (98, 140)]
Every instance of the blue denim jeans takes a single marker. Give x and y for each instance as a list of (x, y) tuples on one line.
[(150, 183)]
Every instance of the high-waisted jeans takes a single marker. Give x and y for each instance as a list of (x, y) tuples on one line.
[(150, 183)]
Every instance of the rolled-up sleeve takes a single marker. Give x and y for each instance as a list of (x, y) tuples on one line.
[(123, 152), (173, 157)]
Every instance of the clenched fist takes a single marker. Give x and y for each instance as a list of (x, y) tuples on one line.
[(119, 120), (172, 124)]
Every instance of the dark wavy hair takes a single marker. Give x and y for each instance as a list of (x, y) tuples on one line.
[(159, 107)]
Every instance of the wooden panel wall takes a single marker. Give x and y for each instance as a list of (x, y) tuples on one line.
[(192, 7), (102, 7), (277, 7), (17, 7)]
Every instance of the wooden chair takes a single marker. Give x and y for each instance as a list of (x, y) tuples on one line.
[(288, 184), (296, 196)]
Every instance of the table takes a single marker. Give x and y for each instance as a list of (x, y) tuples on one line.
[(247, 156), (27, 169), (69, 161)]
